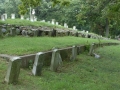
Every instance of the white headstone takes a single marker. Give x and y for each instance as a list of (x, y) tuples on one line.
[(87, 31), (35, 19), (12, 16), (53, 21), (65, 25), (33, 11), (32, 18), (74, 27), (2, 17), (56, 23), (22, 17)]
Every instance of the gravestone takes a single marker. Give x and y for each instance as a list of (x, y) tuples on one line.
[(65, 25), (74, 27), (3, 17), (56, 60), (12, 16), (32, 15), (22, 17), (35, 19), (1, 35), (56, 23), (27, 18), (13, 70), (3, 30), (38, 64), (32, 18), (5, 14), (74, 53), (24, 33), (17, 31), (43, 21), (53, 21), (13, 31), (91, 51), (48, 21)]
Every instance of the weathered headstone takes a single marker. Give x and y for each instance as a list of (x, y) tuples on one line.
[(13, 31), (3, 17), (24, 33), (91, 51), (56, 23), (12, 16), (22, 17), (35, 19), (27, 18), (17, 31), (74, 53), (53, 21), (74, 27), (4, 29), (38, 64), (56, 60), (5, 14), (65, 25), (13, 70), (32, 18), (1, 35)]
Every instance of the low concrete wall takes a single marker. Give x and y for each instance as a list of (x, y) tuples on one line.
[(63, 54)]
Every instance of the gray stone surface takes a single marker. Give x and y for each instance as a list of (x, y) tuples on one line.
[(56, 60), (74, 53), (91, 51), (13, 32), (13, 70), (38, 64)]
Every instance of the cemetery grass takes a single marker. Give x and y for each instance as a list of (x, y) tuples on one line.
[(20, 22), (85, 73), (30, 45)]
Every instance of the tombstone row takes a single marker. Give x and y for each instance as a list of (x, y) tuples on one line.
[(52, 58), (55, 58)]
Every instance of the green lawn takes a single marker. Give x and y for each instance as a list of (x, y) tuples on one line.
[(86, 73), (25, 45), (29, 23)]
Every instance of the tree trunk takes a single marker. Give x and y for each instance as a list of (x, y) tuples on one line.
[(107, 27)]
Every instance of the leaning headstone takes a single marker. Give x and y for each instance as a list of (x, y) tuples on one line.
[(38, 64), (13, 70), (22, 17), (74, 53), (56, 60), (91, 51), (12, 16)]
